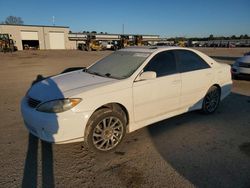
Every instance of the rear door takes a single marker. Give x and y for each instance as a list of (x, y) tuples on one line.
[(161, 95), (196, 76)]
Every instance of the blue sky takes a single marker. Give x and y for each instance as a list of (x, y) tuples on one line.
[(187, 18)]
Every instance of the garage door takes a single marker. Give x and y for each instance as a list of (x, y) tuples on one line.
[(29, 35), (56, 40)]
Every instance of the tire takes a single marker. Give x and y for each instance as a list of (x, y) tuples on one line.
[(211, 101), (105, 130)]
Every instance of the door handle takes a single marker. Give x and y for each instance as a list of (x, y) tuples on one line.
[(175, 82)]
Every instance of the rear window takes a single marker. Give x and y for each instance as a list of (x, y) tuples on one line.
[(190, 61)]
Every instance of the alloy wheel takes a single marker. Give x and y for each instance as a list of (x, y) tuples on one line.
[(212, 100), (107, 133)]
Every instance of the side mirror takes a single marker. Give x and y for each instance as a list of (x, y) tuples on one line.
[(149, 75)]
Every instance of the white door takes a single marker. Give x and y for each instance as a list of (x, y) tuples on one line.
[(156, 97), (56, 40), (196, 76), (194, 87), (161, 95)]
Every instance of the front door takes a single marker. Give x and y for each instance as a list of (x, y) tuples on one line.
[(161, 95)]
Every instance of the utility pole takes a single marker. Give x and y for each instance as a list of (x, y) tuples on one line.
[(123, 29), (53, 20)]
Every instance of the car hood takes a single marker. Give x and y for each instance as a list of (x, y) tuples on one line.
[(59, 86)]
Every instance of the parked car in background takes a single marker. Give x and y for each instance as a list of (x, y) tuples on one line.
[(110, 45), (125, 91), (248, 53), (241, 67)]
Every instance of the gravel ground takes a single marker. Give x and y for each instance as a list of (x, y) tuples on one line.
[(190, 150)]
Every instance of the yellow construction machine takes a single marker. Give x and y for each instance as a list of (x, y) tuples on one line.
[(6, 43), (138, 40), (93, 44)]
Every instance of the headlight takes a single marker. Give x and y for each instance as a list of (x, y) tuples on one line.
[(57, 106)]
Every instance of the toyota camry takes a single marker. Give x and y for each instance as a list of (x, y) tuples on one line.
[(125, 91)]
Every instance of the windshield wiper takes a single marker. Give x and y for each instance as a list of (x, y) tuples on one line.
[(108, 74), (95, 73), (115, 77)]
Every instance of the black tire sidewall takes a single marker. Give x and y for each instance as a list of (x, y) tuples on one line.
[(204, 109)]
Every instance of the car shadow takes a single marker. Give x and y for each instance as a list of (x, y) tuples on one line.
[(207, 149)]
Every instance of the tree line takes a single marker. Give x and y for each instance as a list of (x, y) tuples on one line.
[(18, 21), (209, 38)]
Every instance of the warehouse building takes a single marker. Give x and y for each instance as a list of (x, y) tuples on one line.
[(37, 36), (58, 37)]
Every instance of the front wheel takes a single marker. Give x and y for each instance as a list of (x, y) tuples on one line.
[(106, 130), (211, 100)]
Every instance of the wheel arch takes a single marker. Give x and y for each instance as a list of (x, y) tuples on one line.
[(112, 106), (117, 106), (218, 86)]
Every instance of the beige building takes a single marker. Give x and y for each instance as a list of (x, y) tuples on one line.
[(37, 36), (57, 37)]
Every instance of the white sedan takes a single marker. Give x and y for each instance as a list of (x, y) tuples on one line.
[(123, 92)]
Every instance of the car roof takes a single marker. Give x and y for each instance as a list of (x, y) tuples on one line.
[(150, 49)]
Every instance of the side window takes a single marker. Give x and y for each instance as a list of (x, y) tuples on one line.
[(189, 61), (162, 63)]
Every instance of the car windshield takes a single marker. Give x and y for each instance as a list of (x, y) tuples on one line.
[(119, 64)]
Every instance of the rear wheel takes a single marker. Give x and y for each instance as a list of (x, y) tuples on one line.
[(211, 100), (106, 130)]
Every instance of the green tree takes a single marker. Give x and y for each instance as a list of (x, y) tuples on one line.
[(233, 37), (246, 36), (211, 37), (13, 20)]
